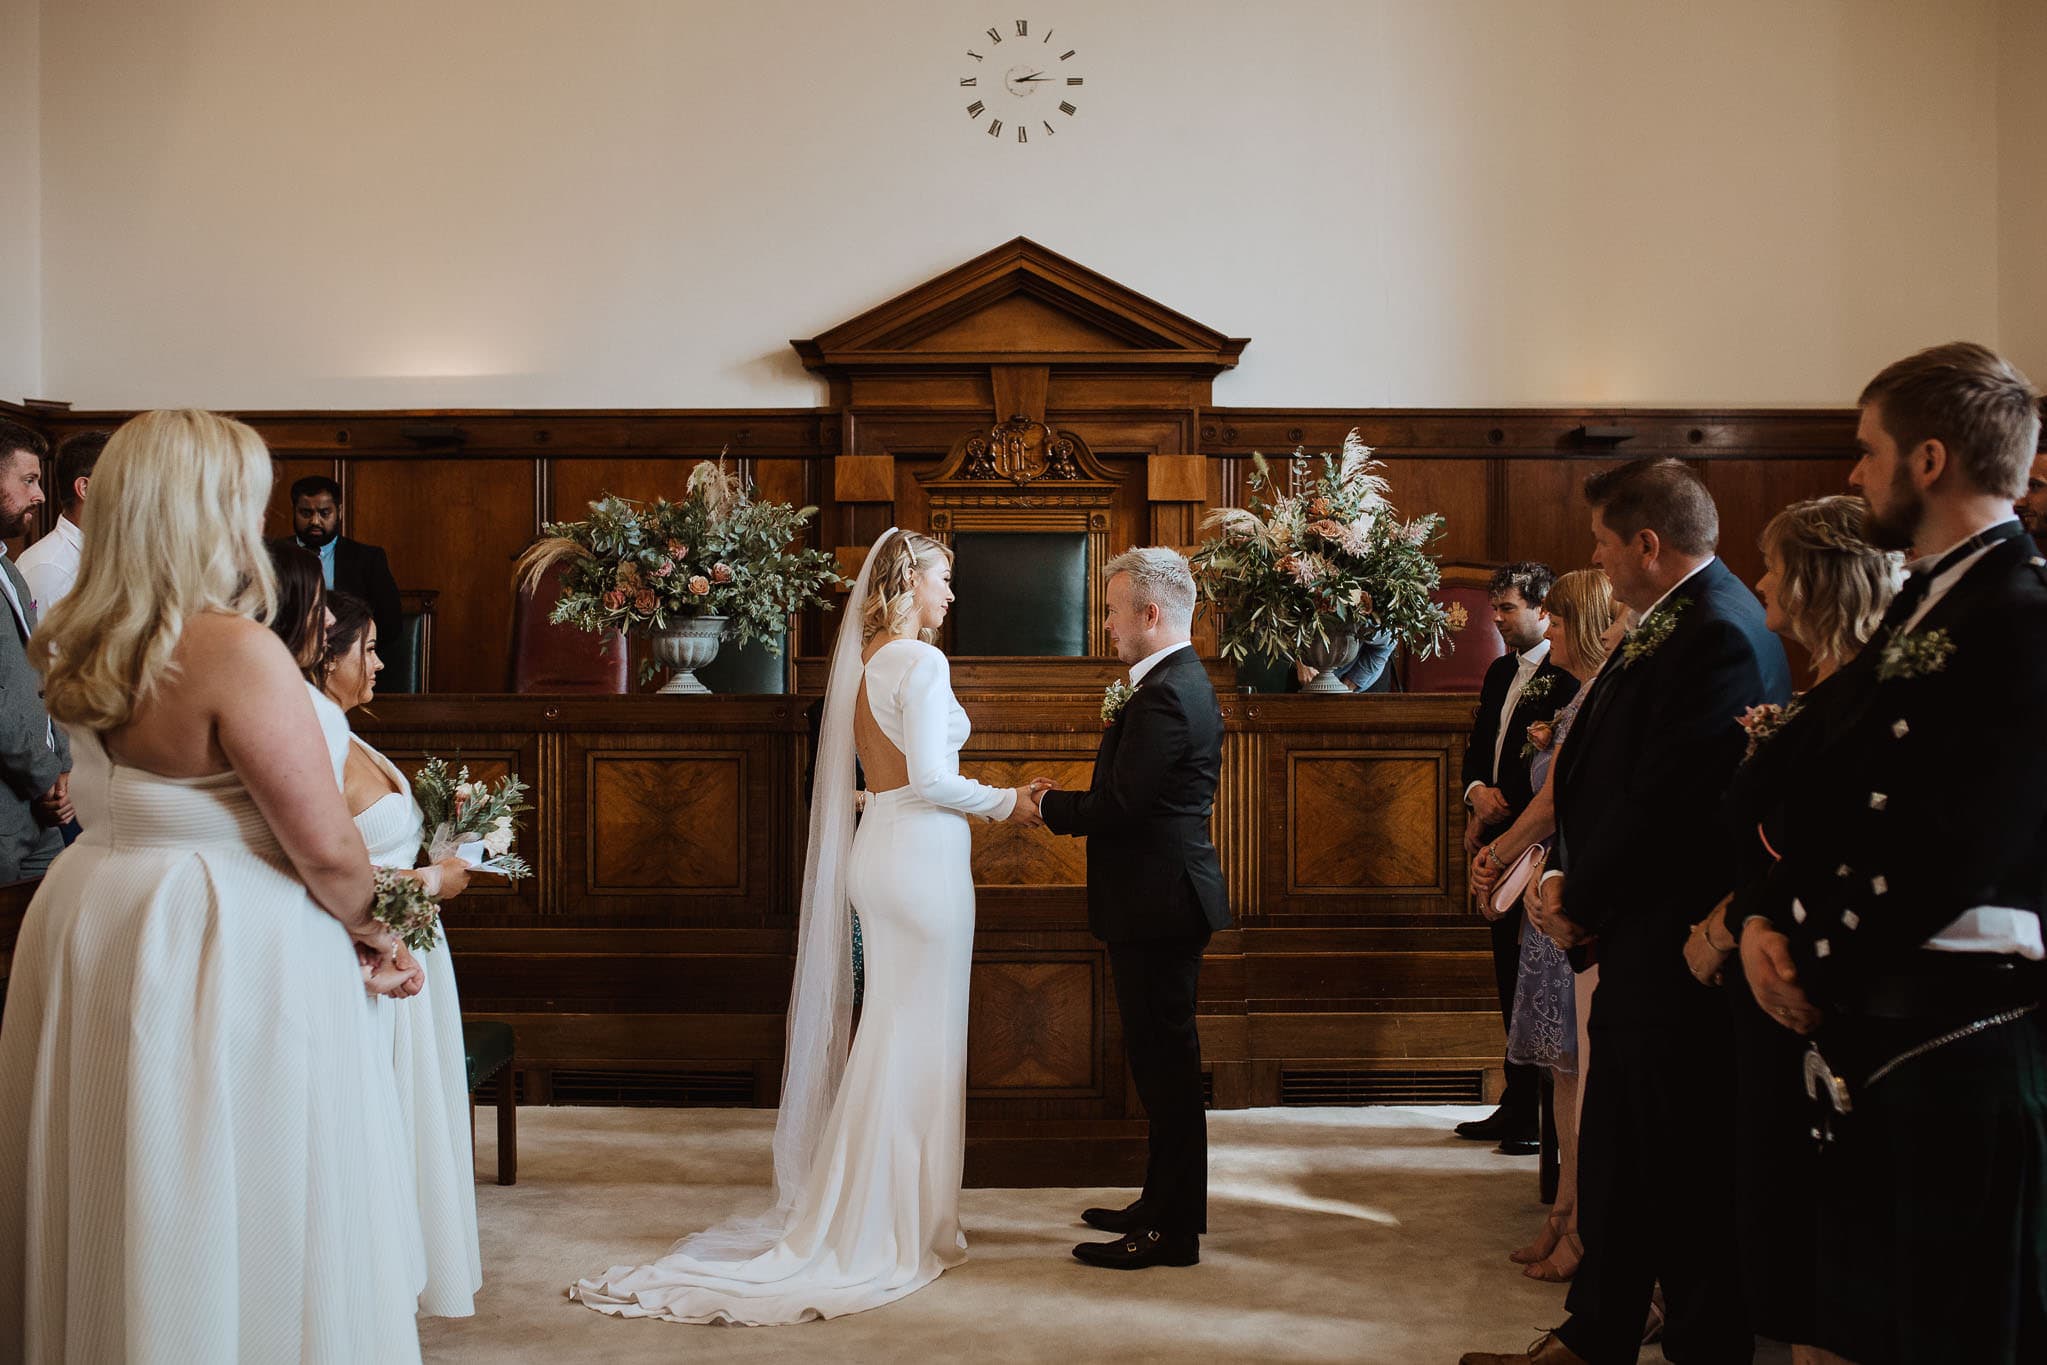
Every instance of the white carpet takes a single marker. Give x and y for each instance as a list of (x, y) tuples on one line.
[(1362, 1234)]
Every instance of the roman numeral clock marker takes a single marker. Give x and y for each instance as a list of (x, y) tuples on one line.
[(1020, 90)]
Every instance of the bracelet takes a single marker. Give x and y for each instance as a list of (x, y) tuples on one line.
[(1706, 933), (1492, 858)]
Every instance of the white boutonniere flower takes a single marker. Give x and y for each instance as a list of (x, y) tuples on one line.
[(1915, 655), (1538, 687), (1648, 637), (1114, 698)]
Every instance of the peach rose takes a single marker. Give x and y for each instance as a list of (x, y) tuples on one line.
[(677, 550), (1541, 734), (645, 600), (613, 600), (699, 585), (721, 572), (1319, 507)]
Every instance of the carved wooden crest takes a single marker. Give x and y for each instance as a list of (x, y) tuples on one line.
[(1020, 451)]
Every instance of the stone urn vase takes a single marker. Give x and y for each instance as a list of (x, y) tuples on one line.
[(1330, 659), (683, 648)]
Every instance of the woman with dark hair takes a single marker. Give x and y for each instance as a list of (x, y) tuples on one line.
[(301, 616), (424, 1033)]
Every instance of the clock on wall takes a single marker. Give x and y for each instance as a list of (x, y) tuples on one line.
[(1022, 84)]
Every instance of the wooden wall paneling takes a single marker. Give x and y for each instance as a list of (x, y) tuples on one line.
[(1456, 488), (1545, 513), (580, 481), (1750, 492), (1034, 1024), (460, 523)]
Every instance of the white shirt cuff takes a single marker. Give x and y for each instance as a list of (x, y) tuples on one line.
[(1469, 790), (1548, 873)]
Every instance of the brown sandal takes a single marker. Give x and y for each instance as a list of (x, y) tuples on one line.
[(1561, 1264), (1545, 1242)]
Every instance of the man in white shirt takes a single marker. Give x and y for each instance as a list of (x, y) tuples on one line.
[(51, 564)]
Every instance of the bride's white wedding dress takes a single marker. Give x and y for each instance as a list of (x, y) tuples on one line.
[(877, 1216)]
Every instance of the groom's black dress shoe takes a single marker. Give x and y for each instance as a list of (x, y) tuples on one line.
[(1141, 1249), (1125, 1219)]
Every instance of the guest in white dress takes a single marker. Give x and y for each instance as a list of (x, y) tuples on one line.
[(867, 1162), (423, 1035), (195, 1141)]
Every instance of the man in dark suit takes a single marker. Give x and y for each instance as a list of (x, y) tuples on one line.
[(2031, 505), (349, 566), (1521, 687), (1154, 892), (1646, 854), (1902, 929)]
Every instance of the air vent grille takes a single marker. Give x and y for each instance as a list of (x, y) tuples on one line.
[(653, 1089), (1305, 1086)]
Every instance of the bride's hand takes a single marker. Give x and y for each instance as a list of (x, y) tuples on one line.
[(445, 879), (1025, 811)]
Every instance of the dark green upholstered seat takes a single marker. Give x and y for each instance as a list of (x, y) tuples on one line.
[(1020, 593)]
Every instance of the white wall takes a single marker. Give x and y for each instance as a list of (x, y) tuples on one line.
[(2022, 184), (21, 331), (395, 203)]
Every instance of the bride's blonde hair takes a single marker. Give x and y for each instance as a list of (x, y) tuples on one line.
[(892, 585), (173, 529)]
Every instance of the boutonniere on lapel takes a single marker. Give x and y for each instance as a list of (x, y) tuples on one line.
[(1114, 698), (1648, 637), (1914, 655), (1763, 721), (1539, 687)]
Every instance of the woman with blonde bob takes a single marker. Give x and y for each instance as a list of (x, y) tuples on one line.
[(1824, 586), (870, 1140), (197, 1146)]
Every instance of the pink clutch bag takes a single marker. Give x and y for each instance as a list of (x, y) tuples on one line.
[(1508, 893)]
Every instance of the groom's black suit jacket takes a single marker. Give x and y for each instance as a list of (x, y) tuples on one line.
[(1646, 848), (1151, 870)]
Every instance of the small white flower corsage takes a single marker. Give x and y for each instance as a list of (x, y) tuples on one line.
[(1914, 655), (1648, 637), (1114, 698)]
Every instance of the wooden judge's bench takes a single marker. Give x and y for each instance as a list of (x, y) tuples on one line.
[(649, 960)]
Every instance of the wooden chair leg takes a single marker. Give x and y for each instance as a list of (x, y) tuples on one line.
[(508, 1129), (472, 1135)]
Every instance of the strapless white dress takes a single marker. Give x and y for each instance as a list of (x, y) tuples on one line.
[(194, 1131), (878, 1216), (423, 1036)]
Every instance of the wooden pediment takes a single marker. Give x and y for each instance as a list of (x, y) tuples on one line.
[(1021, 305)]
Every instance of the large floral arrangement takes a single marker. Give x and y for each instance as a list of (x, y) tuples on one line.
[(1326, 556), (718, 552)]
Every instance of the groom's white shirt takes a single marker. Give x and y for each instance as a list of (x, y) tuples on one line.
[(1150, 661)]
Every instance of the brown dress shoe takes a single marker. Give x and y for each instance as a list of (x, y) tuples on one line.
[(1547, 1350)]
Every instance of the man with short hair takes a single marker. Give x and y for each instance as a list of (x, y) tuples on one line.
[(348, 566), (2032, 504), (35, 757), (51, 564), (1520, 688), (1901, 931), (1645, 854), (1154, 892)]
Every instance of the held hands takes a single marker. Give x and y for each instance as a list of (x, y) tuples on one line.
[(53, 807), (1026, 812), (1489, 806), (1706, 961), (387, 968), (1484, 876), (1766, 958)]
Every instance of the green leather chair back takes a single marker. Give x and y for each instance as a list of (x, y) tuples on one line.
[(1020, 593)]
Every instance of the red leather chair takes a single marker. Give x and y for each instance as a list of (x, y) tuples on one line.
[(1463, 669), (551, 658)]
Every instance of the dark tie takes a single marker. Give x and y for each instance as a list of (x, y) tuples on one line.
[(1919, 584)]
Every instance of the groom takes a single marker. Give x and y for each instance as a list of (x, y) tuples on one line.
[(1154, 893)]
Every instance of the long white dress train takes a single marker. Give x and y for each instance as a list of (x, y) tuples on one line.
[(195, 1138), (878, 1216), (423, 1037)]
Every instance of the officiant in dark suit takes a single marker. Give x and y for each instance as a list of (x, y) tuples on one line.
[(1901, 932), (1645, 853), (347, 565), (1155, 892), (1521, 687)]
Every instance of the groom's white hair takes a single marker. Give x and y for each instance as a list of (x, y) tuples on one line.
[(1158, 574)]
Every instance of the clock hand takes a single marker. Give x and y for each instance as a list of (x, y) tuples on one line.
[(1020, 80)]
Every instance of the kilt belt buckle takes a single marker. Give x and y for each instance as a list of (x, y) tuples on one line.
[(1825, 1087)]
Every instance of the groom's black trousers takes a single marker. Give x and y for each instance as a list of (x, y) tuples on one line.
[(1155, 989)]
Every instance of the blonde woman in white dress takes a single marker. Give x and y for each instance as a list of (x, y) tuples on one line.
[(422, 1035), (868, 1146), (195, 1141)]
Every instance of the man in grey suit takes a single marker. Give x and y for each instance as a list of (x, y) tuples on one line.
[(35, 759)]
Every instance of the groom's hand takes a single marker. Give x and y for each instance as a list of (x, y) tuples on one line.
[(1026, 812)]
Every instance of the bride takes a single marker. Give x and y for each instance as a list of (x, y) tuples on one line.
[(868, 1145)]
